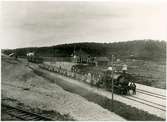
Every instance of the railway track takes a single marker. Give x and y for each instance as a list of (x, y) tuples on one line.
[(24, 115), (148, 102), (151, 94), (145, 102)]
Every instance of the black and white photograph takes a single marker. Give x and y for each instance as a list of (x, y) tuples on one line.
[(83, 60)]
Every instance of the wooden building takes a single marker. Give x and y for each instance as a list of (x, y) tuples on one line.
[(101, 61), (82, 57)]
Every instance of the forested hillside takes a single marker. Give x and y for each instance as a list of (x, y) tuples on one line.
[(139, 49)]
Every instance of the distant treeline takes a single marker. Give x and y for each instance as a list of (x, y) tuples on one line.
[(138, 49)]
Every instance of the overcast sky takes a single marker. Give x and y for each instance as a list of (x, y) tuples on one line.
[(50, 23)]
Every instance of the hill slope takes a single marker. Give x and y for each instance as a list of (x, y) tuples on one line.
[(139, 49)]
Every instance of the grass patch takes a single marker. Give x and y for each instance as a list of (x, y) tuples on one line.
[(57, 116), (126, 111)]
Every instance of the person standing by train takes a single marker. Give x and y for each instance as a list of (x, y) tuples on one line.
[(88, 78), (134, 88)]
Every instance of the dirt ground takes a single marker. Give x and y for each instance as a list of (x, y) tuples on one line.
[(19, 83)]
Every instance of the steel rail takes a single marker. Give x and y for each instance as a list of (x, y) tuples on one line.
[(151, 94), (23, 114), (144, 103), (148, 101)]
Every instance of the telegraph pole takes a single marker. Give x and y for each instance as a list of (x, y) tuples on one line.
[(112, 83), (111, 70)]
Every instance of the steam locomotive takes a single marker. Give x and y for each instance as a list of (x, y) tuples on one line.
[(123, 82)]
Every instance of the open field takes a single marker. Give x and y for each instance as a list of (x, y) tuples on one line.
[(148, 72)]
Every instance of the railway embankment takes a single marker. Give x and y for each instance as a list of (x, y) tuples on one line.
[(128, 107), (20, 85)]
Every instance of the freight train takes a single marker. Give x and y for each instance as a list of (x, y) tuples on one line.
[(123, 82)]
